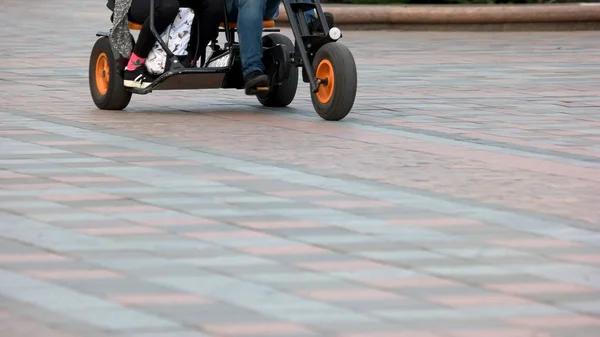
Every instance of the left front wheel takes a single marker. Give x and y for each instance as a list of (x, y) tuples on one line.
[(106, 83)]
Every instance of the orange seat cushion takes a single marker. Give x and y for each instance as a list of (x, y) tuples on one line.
[(134, 26), (266, 24)]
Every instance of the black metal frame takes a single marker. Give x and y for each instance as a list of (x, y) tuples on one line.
[(306, 45)]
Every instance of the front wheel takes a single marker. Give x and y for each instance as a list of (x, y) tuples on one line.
[(106, 83), (334, 65)]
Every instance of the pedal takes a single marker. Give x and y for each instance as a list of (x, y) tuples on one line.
[(254, 91)]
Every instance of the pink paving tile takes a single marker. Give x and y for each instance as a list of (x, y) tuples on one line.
[(158, 299), (283, 250), (539, 288), (78, 197), (287, 224), (564, 321), (340, 266), (303, 193), (581, 258), (26, 187), (534, 243), (24, 325), (412, 282), (350, 204), (176, 221), (241, 234), (341, 295), (436, 222), (398, 333), (478, 301), (165, 163), (496, 332), (12, 175), (126, 209), (69, 274), (256, 329), (122, 154), (21, 258), (67, 179), (119, 231), (66, 143)]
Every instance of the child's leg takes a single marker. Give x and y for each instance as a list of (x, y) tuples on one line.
[(208, 13), (164, 14)]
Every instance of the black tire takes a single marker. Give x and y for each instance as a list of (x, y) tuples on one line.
[(334, 101), (280, 95), (107, 94)]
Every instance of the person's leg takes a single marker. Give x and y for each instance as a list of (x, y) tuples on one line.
[(164, 13), (209, 14), (250, 15), (309, 15), (249, 28), (314, 23), (272, 9)]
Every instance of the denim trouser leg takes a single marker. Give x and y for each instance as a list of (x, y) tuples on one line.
[(272, 9), (250, 15), (309, 15)]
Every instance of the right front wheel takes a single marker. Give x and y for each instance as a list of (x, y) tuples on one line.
[(334, 65)]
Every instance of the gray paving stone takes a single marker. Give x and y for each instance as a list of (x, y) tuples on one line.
[(173, 333), (401, 255), (513, 311), (467, 270), (81, 307), (49, 237), (409, 315), (120, 320), (585, 307)]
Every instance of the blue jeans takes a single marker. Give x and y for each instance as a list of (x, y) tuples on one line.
[(310, 15), (249, 15)]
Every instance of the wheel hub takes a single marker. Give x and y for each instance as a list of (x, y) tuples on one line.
[(325, 81), (102, 73)]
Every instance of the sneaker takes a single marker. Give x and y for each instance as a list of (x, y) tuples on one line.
[(316, 26), (256, 81), (137, 78)]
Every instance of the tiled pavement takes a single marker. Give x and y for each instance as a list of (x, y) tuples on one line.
[(459, 199)]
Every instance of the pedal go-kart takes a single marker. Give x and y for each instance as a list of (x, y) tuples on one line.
[(327, 65)]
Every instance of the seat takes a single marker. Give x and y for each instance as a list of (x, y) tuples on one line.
[(134, 26), (232, 25), (266, 24)]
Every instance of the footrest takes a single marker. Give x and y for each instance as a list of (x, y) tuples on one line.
[(257, 90)]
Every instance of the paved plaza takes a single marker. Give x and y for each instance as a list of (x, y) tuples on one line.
[(460, 198)]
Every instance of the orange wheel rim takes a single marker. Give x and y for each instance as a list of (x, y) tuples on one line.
[(102, 74), (325, 71)]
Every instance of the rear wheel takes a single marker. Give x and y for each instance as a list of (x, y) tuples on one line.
[(106, 83), (283, 94), (334, 65)]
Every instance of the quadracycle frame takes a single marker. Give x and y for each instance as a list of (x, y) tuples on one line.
[(327, 65)]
